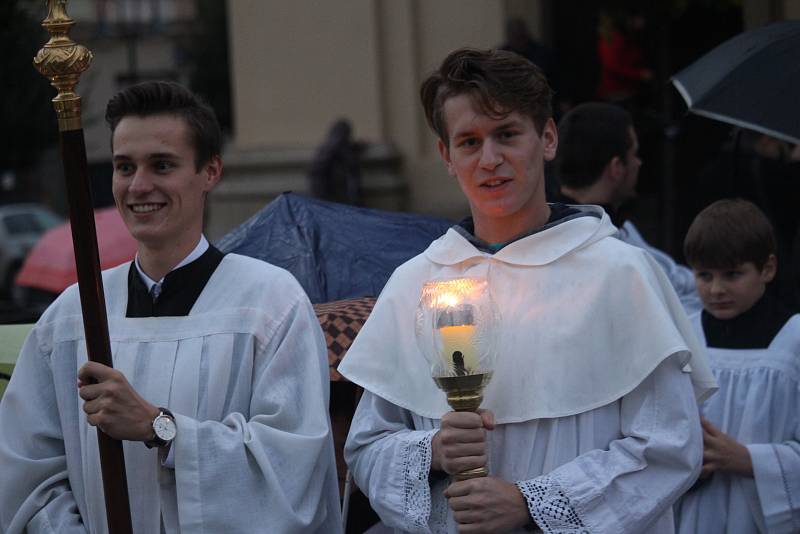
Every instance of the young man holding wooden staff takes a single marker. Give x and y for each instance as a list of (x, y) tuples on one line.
[(220, 384)]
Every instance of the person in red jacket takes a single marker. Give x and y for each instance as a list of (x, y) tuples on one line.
[(622, 69)]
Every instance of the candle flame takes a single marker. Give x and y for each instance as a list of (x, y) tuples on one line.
[(455, 319), (450, 293)]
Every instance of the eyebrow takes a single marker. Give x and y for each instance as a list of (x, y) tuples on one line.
[(163, 155), (512, 123), (156, 156)]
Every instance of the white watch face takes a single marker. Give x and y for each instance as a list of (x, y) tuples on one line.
[(164, 427)]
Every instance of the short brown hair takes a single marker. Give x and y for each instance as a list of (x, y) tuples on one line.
[(168, 98), (499, 82), (728, 233), (590, 135)]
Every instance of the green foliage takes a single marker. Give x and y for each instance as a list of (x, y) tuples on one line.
[(29, 122)]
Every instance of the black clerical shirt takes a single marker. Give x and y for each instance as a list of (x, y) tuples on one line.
[(179, 290)]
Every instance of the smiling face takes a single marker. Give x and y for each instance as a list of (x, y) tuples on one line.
[(727, 293), (499, 164), (157, 188)]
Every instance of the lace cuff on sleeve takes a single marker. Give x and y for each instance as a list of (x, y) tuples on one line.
[(417, 491), (550, 507)]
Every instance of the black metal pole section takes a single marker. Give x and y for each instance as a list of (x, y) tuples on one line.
[(62, 61)]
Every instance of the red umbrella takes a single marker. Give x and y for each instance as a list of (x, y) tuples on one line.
[(50, 265)]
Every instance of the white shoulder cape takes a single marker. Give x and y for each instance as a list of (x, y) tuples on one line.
[(585, 318)]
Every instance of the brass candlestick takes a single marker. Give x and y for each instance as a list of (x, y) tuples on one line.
[(465, 394)]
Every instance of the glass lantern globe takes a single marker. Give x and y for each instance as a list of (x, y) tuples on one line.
[(456, 329)]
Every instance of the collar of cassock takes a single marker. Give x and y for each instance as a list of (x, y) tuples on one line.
[(573, 227), (179, 289), (618, 215), (558, 213), (753, 329)]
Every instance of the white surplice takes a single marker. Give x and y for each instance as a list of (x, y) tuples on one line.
[(245, 374), (592, 391), (758, 404)]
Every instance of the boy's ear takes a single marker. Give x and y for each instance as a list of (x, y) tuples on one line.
[(444, 152), (769, 269)]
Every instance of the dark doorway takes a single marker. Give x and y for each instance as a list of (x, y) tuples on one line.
[(674, 145)]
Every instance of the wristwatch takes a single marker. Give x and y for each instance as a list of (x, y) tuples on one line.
[(164, 429)]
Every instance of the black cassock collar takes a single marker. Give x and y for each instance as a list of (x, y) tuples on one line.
[(618, 216), (753, 329), (179, 291)]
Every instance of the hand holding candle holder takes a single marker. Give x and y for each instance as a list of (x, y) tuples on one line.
[(456, 329)]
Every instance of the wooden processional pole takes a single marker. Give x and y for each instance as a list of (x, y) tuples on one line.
[(62, 61)]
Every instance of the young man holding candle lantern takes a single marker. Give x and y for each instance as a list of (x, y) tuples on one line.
[(590, 421)]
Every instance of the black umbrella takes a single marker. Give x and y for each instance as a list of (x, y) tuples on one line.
[(751, 81)]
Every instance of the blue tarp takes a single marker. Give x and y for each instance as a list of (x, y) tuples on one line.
[(334, 250)]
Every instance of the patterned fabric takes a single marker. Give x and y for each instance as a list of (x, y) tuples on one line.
[(417, 496), (341, 320), (550, 507)]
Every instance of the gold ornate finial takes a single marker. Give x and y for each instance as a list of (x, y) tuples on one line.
[(62, 61)]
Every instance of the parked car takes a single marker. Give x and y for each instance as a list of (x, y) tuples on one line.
[(21, 226)]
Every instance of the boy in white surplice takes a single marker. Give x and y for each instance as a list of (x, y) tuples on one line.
[(750, 482), (220, 385), (591, 421)]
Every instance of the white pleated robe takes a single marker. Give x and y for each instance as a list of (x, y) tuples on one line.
[(245, 374), (758, 404)]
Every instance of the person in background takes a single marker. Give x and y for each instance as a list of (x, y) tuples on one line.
[(750, 482), (766, 171), (598, 163), (623, 71)]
